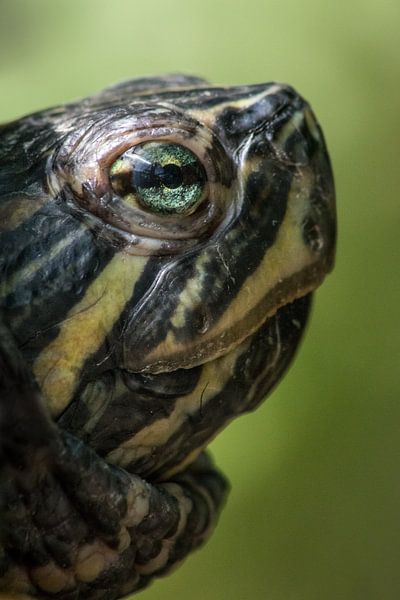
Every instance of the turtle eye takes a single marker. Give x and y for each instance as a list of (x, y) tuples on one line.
[(162, 177)]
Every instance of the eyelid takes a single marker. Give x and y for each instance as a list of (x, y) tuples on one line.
[(80, 175)]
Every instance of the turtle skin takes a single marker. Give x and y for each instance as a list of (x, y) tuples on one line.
[(143, 306)]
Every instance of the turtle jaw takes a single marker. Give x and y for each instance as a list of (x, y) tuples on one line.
[(190, 406), (262, 315)]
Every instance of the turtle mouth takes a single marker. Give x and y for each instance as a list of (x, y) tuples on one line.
[(196, 348)]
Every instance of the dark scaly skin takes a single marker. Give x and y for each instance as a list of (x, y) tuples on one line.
[(129, 339)]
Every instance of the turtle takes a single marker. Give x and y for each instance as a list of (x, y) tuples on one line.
[(160, 243)]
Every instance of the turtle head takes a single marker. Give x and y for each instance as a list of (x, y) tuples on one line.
[(159, 227)]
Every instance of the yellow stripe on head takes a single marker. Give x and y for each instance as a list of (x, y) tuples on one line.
[(15, 211), (20, 276), (58, 367)]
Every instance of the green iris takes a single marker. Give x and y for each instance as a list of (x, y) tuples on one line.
[(166, 178)]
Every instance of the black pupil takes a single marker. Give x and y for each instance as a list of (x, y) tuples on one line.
[(153, 175), (171, 175)]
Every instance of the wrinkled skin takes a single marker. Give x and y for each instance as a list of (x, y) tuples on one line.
[(130, 337)]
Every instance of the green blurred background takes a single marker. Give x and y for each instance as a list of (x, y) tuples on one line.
[(314, 509)]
